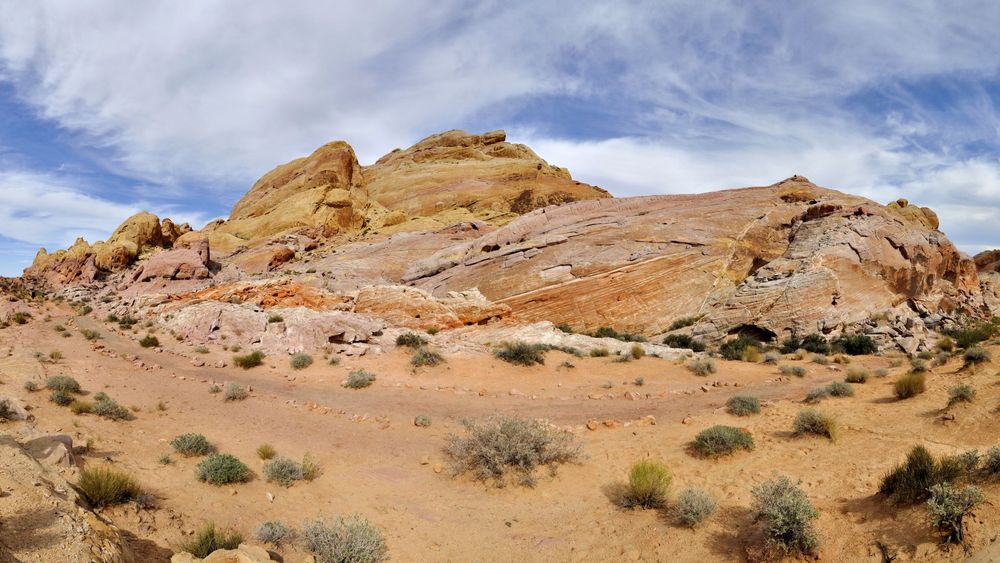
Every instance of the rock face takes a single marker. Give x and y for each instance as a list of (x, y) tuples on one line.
[(178, 264), (787, 257), (988, 261), (413, 308), (244, 553)]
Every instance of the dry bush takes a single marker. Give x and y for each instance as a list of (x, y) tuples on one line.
[(721, 440)]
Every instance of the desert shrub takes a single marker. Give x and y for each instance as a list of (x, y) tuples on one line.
[(841, 359), (108, 408), (220, 469), (498, 445), (20, 317), (991, 463), (969, 462), (251, 360), (751, 354), (948, 507), (266, 451), (346, 540), (945, 344), (311, 468), (969, 336), (692, 507), (787, 515), (101, 396), (639, 381), (856, 344), (637, 351), (701, 367), (274, 318), (684, 322), (881, 372), (857, 374), (817, 394), (599, 352), (81, 407), (273, 532), (104, 485), (30, 386), (976, 355), (235, 392), (910, 385), (411, 340), (213, 389), (684, 341), (565, 328), (919, 366), (209, 538), (841, 389), (63, 383), (734, 349), (772, 358), (720, 440), (422, 421), (962, 393), (521, 353), (334, 361), (201, 350), (797, 371), (743, 405), (90, 334), (648, 485), (359, 379), (810, 421), (911, 481), (425, 357), (149, 341), (283, 471), (191, 445), (433, 330), (301, 360), (55, 356), (819, 359), (925, 354), (61, 398), (608, 332), (941, 359)]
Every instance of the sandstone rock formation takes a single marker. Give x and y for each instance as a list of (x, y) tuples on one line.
[(414, 308), (988, 261), (176, 264), (244, 553)]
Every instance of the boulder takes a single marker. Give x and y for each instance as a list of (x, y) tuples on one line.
[(264, 259), (176, 264), (244, 553), (53, 449)]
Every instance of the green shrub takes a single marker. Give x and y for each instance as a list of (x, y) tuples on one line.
[(411, 340), (191, 445), (910, 385), (701, 367), (273, 532), (735, 348), (283, 471), (840, 389), (251, 360), (608, 332), (521, 353), (61, 398), (301, 360), (975, 356), (359, 379), (967, 337), (220, 469), (797, 371), (743, 405), (911, 481), (209, 539), (422, 421), (648, 485), (857, 374), (787, 515), (104, 485), (692, 507), (266, 451), (941, 359), (235, 392), (722, 440), (948, 508), (856, 344), (108, 408), (684, 322), (962, 393), (149, 341), (637, 351), (63, 383), (274, 318), (599, 352), (991, 464), (334, 361), (814, 343), (945, 344), (685, 341), (424, 357), (810, 421), (565, 328), (499, 444), (346, 540)]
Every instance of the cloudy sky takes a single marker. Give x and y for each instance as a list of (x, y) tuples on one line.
[(108, 107)]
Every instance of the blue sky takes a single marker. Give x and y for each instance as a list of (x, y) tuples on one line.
[(109, 107)]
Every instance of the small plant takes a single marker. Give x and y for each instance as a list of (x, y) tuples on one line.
[(810, 421), (722, 440), (422, 421), (856, 344), (857, 374), (209, 539), (424, 357), (945, 344), (817, 394), (941, 359), (149, 341), (881, 372), (283, 471), (684, 322), (819, 359), (693, 506), (266, 451), (910, 385), (63, 383), (30, 386), (433, 330), (734, 349), (55, 356), (350, 539), (411, 340), (275, 319), (220, 469), (6, 410), (918, 365), (521, 353), (165, 459), (840, 389), (743, 405), (797, 371), (108, 408), (201, 350), (637, 351), (81, 407), (701, 367), (787, 515), (991, 463), (911, 481), (251, 360), (235, 392), (948, 507), (359, 379), (772, 358), (962, 393), (20, 318), (61, 398), (311, 468), (608, 332), (191, 445), (975, 356), (599, 352), (334, 361), (274, 533), (639, 381), (90, 334), (105, 485), (648, 485), (300, 360), (213, 389), (684, 341)]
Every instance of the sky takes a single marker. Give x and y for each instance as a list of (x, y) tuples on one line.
[(108, 107)]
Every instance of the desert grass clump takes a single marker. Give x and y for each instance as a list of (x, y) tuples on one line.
[(910, 385), (191, 444), (684, 341), (79, 406), (422, 421), (411, 340), (772, 358), (722, 440), (220, 469), (425, 357), (819, 359), (63, 383), (637, 351), (61, 398), (797, 371), (692, 507), (648, 485), (811, 421), (599, 352), (881, 372), (283, 471), (251, 360), (274, 318), (273, 532), (311, 468), (104, 485), (149, 341), (941, 359), (912, 480), (300, 360), (975, 356), (945, 344), (201, 350), (350, 539), (743, 405), (962, 393), (841, 389), (109, 408), (209, 539), (235, 392), (213, 389), (787, 515), (701, 367), (817, 394), (948, 507), (857, 374), (991, 462), (266, 451), (735, 348), (521, 353), (501, 445), (89, 334), (359, 379), (918, 365)]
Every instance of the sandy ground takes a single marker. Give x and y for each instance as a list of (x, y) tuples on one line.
[(376, 463)]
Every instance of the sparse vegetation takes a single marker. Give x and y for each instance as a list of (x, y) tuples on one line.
[(637, 351), (608, 332), (266, 451), (311, 468), (817, 394), (201, 350), (300, 360), (911, 481), (693, 506), (948, 507), (63, 383), (811, 421), (521, 353), (962, 393), (220, 469), (108, 408), (856, 344), (857, 374), (209, 538), (797, 371), (599, 352), (411, 340), (251, 360), (283, 471), (30, 386), (975, 356), (274, 318), (969, 336), (841, 389), (346, 540), (648, 485), (772, 358), (61, 398), (191, 445), (918, 365), (104, 485), (422, 421), (684, 341), (213, 389), (272, 532), (819, 359), (235, 392), (736, 348), (684, 322), (701, 367), (910, 385), (722, 440), (787, 515), (149, 341), (743, 405), (425, 357), (359, 379), (79, 406)]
